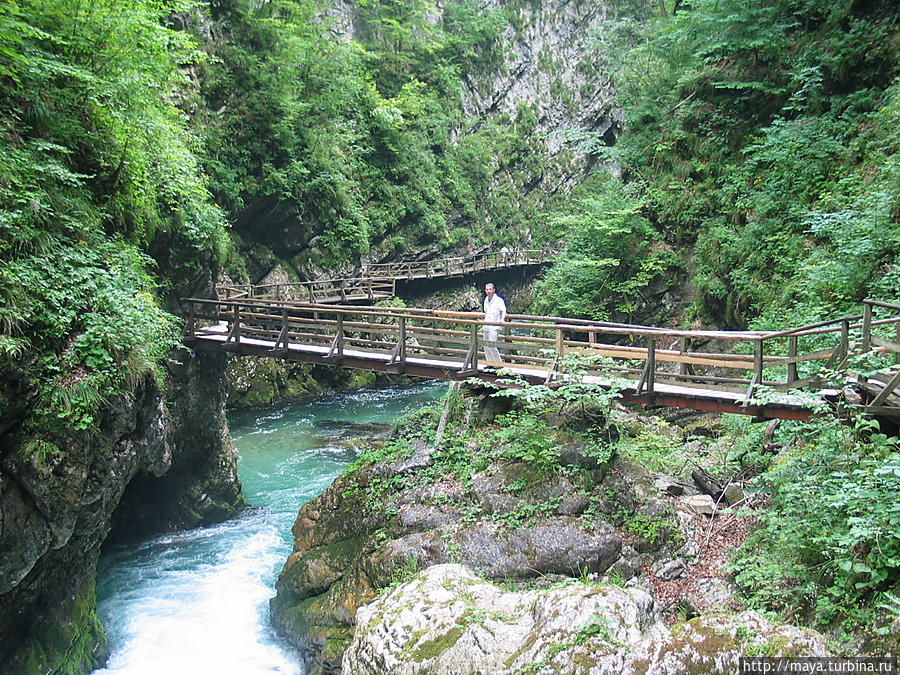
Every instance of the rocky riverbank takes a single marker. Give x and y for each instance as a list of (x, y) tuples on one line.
[(529, 501), (448, 620)]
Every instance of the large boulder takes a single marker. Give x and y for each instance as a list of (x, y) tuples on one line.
[(374, 526), (446, 620)]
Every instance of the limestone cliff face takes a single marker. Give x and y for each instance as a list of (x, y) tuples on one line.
[(549, 67), (55, 514), (202, 484), (548, 70), (151, 467)]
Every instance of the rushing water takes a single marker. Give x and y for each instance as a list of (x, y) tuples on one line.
[(197, 601)]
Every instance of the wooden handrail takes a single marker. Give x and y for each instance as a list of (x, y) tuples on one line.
[(383, 283), (454, 338), (882, 303), (461, 264)]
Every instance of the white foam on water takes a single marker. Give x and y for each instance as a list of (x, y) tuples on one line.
[(211, 618)]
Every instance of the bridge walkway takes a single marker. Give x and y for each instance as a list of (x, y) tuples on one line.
[(750, 372), (379, 281)]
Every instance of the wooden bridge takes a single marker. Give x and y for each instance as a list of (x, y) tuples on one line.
[(457, 267), (322, 291), (750, 372), (379, 280)]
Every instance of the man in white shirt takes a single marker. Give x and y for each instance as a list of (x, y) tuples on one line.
[(494, 313)]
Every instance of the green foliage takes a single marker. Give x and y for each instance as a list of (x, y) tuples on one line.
[(362, 143), (401, 573), (828, 539), (654, 528), (653, 447), (525, 514), (96, 170), (527, 439), (572, 394), (609, 259), (766, 132)]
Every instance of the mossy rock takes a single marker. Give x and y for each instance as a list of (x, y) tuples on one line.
[(73, 644)]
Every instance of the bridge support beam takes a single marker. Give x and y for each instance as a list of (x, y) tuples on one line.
[(398, 358), (470, 363), (648, 377)]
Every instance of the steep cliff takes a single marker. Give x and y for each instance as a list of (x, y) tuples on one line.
[(442, 127), (174, 463), (157, 460)]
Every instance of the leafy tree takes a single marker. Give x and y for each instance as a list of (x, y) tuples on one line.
[(609, 259)]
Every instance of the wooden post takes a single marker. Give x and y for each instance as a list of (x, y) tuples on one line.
[(399, 355), (192, 319), (682, 348), (339, 337), (281, 341), (560, 348), (648, 376), (867, 327), (343, 291), (592, 338), (792, 353), (844, 345), (235, 332), (757, 362), (471, 361), (897, 354)]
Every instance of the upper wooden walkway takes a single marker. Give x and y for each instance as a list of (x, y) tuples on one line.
[(749, 372), (379, 280), (459, 266)]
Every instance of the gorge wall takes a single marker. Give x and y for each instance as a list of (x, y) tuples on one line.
[(470, 160), (161, 458)]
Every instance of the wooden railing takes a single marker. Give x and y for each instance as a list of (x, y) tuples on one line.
[(736, 361), (320, 291), (444, 267), (379, 280)]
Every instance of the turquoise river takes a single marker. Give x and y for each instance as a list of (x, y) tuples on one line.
[(197, 601)]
